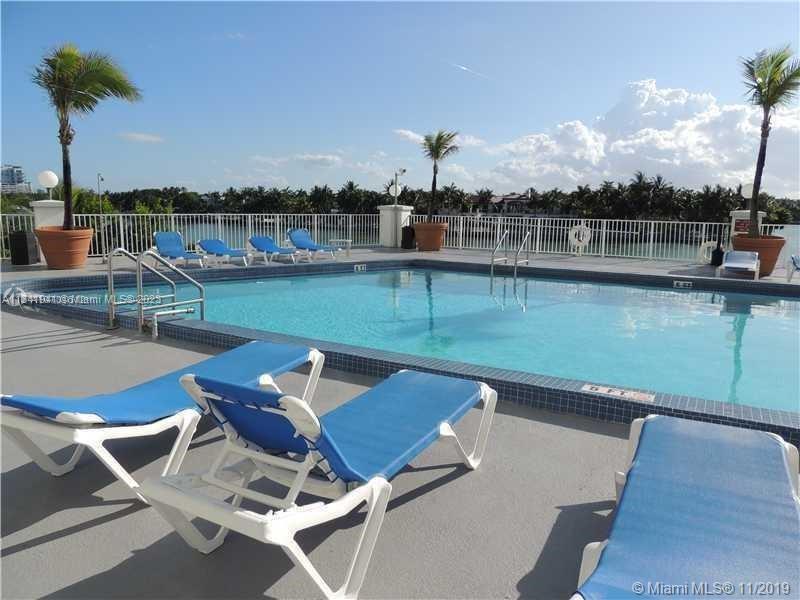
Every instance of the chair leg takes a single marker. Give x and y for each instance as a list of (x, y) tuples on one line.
[(40, 457), (473, 459), (191, 534), (186, 428), (376, 495)]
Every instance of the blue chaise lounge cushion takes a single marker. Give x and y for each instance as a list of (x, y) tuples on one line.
[(164, 396), (375, 434), (703, 503)]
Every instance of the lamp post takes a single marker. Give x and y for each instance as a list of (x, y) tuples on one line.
[(396, 188), (48, 180), (102, 218)]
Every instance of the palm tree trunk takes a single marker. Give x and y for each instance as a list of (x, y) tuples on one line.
[(752, 230), (432, 201), (67, 194)]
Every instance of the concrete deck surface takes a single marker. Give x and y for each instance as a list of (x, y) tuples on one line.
[(516, 527), (95, 266)]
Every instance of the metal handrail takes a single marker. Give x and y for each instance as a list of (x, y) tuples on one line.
[(112, 298), (496, 248), (140, 287), (519, 251)]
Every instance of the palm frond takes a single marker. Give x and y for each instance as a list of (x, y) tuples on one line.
[(771, 78), (75, 82), (438, 146)]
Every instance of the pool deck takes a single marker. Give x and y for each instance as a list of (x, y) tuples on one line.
[(635, 266), (516, 527)]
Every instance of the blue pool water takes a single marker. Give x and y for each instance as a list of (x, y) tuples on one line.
[(737, 348)]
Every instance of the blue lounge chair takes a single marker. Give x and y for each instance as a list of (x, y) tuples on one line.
[(301, 239), (169, 244), (268, 249), (348, 455), (701, 504), (792, 266), (145, 409), (220, 250), (740, 262)]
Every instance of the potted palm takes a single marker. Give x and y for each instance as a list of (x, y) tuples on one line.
[(437, 147), (75, 82), (772, 79)]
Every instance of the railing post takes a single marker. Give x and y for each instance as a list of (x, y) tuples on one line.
[(219, 226), (350, 229), (314, 227), (650, 240), (120, 231), (538, 235), (603, 238), (249, 229), (461, 232)]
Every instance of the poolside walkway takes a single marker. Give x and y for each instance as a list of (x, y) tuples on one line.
[(553, 261), (514, 528)]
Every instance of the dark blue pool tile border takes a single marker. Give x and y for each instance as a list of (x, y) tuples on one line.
[(540, 391)]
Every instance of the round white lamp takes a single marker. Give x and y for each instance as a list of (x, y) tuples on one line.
[(48, 180), (747, 191)]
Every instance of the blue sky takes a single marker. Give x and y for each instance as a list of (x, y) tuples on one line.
[(300, 94)]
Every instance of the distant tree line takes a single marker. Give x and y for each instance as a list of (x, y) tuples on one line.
[(640, 198)]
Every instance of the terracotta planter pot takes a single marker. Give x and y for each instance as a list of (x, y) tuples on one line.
[(767, 246), (429, 236), (64, 249)]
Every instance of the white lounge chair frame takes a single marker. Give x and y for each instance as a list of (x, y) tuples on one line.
[(756, 270), (177, 497), (269, 256), (90, 431), (208, 258), (593, 550)]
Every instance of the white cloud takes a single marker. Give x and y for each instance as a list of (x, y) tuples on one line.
[(409, 135), (142, 138), (371, 167), (268, 160), (460, 172), (687, 137), (319, 160), (469, 141), (468, 70)]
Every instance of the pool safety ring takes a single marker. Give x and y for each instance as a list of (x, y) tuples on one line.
[(580, 236)]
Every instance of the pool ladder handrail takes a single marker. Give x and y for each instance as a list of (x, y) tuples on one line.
[(112, 297), (201, 300), (494, 258), (527, 258)]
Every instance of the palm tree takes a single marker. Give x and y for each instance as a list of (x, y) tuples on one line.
[(75, 82), (772, 79), (438, 146)]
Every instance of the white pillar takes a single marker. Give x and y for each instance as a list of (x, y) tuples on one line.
[(47, 212), (393, 217)]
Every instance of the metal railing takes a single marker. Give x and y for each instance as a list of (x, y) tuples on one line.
[(143, 307), (111, 294), (135, 232), (526, 260), (657, 240)]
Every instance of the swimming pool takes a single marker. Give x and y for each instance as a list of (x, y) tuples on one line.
[(730, 347)]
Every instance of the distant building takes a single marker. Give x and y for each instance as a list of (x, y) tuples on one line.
[(13, 180)]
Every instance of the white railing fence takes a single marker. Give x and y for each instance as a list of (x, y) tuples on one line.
[(135, 232), (658, 240)]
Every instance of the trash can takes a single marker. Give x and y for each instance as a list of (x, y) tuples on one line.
[(407, 241), (24, 249)]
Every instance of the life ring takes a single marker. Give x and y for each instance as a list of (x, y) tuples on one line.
[(580, 236), (704, 252)]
